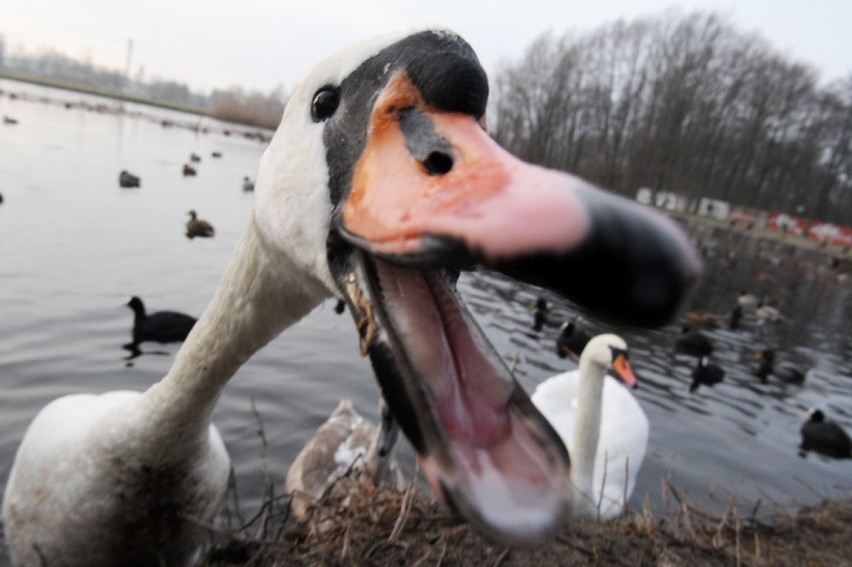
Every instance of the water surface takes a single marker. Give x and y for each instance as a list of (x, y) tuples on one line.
[(74, 247)]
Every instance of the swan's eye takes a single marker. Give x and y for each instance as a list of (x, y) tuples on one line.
[(325, 103)]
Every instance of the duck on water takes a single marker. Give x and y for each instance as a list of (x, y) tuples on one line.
[(120, 478)]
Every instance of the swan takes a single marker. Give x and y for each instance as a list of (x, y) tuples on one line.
[(345, 444), (116, 478), (197, 227), (602, 424)]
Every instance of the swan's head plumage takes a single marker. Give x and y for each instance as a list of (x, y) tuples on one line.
[(609, 352), (293, 204)]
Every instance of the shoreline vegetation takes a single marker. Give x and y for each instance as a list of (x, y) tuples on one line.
[(358, 524), (100, 91), (262, 134), (252, 111), (381, 527)]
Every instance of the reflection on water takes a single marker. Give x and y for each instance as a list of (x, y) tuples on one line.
[(74, 247)]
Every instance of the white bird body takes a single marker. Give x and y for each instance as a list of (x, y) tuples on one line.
[(100, 466), (604, 463)]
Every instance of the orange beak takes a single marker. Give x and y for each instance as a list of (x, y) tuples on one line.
[(622, 368)]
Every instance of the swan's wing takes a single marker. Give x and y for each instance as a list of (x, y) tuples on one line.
[(556, 399)]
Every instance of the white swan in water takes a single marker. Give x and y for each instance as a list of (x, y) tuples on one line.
[(114, 479), (602, 424)]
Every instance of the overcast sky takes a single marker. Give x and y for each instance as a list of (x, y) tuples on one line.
[(263, 44)]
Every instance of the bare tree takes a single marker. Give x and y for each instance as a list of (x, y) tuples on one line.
[(684, 103)]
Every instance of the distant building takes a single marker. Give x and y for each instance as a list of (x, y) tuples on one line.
[(713, 208), (662, 199)]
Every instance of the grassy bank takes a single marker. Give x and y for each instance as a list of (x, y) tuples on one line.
[(383, 528)]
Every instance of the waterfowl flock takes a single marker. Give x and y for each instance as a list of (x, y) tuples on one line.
[(128, 478)]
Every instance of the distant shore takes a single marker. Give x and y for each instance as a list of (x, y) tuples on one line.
[(108, 93), (249, 131)]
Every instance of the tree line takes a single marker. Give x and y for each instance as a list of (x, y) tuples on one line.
[(681, 103)]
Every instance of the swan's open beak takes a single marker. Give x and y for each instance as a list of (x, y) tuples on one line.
[(431, 194)]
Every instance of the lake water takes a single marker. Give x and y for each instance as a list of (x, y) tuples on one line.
[(74, 247)]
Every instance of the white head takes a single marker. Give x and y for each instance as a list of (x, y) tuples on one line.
[(293, 207), (609, 352)]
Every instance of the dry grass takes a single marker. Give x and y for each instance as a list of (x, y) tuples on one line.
[(356, 524), (372, 527)]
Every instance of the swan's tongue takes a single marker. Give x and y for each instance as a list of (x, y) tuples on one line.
[(482, 444)]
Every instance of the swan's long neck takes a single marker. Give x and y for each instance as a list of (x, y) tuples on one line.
[(261, 293), (587, 429)]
